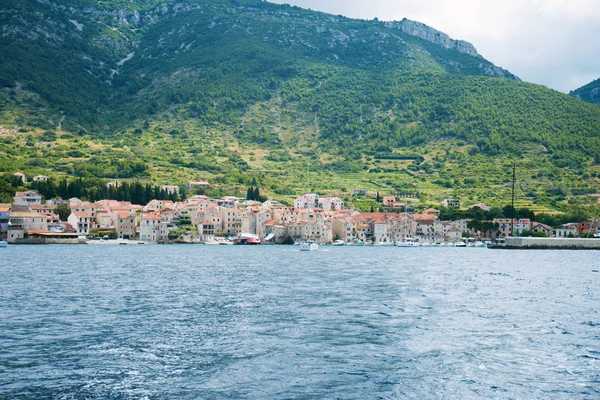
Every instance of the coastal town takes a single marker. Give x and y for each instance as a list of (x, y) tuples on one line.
[(204, 220)]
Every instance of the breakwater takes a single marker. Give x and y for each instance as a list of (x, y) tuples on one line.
[(550, 244)]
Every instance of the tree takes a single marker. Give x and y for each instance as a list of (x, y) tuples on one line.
[(509, 211), (63, 212)]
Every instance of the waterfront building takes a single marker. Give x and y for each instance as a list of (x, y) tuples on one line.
[(81, 221)]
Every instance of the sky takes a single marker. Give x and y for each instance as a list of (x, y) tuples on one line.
[(555, 43)]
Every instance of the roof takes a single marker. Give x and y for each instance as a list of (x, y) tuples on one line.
[(124, 215), (200, 183), (424, 217), (25, 215), (30, 231), (80, 214), (41, 207), (35, 192), (270, 223), (151, 216), (546, 227), (118, 208)]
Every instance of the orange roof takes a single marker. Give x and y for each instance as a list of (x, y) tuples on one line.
[(424, 217), (37, 231), (124, 215), (270, 223), (151, 216), (79, 214)]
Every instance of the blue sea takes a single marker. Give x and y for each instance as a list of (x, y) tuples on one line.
[(266, 322)]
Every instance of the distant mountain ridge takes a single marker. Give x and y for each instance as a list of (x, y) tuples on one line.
[(589, 92)]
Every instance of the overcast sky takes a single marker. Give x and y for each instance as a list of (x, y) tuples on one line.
[(552, 42)]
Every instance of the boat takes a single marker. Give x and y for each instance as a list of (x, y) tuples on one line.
[(308, 245), (3, 243), (357, 242), (408, 242), (460, 244), (246, 239), (338, 242)]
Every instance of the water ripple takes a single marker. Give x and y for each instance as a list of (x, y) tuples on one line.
[(193, 322)]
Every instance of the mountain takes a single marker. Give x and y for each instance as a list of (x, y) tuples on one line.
[(243, 92), (589, 92)]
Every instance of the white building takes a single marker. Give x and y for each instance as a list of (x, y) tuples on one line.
[(330, 203), (451, 203), (81, 221), (27, 198), (309, 199)]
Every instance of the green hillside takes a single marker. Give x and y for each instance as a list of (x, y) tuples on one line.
[(589, 92), (247, 92)]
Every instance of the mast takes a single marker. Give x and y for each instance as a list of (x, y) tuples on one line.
[(512, 220), (308, 200)]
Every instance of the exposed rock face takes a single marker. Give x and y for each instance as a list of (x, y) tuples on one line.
[(425, 32), (434, 36)]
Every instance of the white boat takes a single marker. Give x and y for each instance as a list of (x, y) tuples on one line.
[(3, 243), (460, 244), (309, 246), (338, 242), (408, 242)]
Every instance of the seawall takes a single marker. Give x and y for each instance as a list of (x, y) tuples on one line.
[(48, 240), (550, 244)]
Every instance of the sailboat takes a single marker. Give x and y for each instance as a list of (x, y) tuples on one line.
[(308, 245)]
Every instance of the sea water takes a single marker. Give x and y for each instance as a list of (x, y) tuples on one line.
[(266, 322)]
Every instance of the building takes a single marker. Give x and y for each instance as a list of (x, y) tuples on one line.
[(389, 201), (450, 203), (150, 227), (126, 225), (81, 221), (197, 184), (20, 223), (567, 230), (307, 200), (541, 228), (4, 218), (504, 226), (43, 178), (27, 198), (330, 203)]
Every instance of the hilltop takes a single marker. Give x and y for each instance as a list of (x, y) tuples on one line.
[(589, 92), (247, 92)]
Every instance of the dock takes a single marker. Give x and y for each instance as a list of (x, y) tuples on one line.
[(530, 243)]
